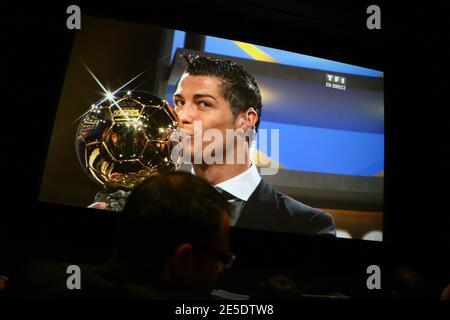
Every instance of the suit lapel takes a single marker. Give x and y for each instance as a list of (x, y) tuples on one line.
[(261, 211)]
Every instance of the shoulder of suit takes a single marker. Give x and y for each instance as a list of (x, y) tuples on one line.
[(299, 217), (295, 208)]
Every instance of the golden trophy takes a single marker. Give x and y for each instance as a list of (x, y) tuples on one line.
[(124, 139)]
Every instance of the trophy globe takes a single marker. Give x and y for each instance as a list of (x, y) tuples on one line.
[(124, 139)]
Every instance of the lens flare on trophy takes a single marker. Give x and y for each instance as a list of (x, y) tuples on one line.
[(124, 138), (121, 142)]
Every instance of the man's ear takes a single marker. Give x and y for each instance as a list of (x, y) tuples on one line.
[(248, 119), (183, 258)]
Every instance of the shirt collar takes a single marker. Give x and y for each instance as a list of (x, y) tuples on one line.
[(242, 185)]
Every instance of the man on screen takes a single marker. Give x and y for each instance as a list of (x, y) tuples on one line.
[(213, 98), (218, 95)]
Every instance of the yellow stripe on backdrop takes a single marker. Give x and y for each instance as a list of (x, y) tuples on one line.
[(255, 52)]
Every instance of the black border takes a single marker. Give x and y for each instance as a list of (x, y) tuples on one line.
[(410, 46)]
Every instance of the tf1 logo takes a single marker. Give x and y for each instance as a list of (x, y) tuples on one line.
[(336, 82)]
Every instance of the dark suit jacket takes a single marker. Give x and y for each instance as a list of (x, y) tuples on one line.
[(268, 209)]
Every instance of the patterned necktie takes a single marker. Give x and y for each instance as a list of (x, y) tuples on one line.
[(236, 205)]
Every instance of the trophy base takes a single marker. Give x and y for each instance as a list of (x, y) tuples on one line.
[(115, 201)]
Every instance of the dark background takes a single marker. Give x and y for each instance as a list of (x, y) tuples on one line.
[(410, 49), (113, 50)]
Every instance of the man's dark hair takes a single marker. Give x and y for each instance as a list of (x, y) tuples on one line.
[(238, 87), (166, 211)]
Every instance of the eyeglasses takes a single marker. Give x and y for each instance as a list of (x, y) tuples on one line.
[(225, 258)]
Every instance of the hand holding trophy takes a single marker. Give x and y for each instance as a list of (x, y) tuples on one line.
[(123, 140)]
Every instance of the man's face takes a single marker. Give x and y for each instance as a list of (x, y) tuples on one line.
[(194, 268), (199, 98), (208, 267)]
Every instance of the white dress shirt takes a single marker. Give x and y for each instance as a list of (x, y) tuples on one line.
[(242, 185)]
